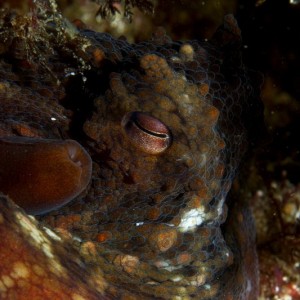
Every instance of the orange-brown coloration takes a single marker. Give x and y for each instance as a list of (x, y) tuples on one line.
[(66, 222), (166, 214), (47, 173), (204, 89), (127, 262), (37, 271), (103, 236), (24, 130), (162, 239), (98, 57)]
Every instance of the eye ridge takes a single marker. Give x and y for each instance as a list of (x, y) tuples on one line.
[(156, 134), (147, 132)]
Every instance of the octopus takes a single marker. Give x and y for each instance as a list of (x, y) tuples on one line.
[(116, 163)]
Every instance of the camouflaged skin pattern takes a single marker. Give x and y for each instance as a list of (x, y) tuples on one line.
[(155, 225)]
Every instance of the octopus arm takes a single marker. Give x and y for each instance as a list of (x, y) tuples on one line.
[(37, 264)]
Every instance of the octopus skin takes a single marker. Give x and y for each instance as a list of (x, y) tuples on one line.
[(165, 125), (38, 191)]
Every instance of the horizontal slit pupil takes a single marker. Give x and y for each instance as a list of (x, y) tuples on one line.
[(160, 135)]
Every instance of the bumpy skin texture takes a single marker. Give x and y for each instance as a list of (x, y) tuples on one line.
[(150, 225)]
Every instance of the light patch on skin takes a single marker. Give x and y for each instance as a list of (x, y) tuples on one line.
[(181, 290), (3, 288), (7, 281), (29, 228), (99, 282), (56, 268), (77, 239), (118, 24), (139, 224), (47, 250), (152, 283), (187, 52), (162, 264), (203, 160), (187, 106), (200, 280), (249, 287), (20, 270), (192, 219), (220, 207), (177, 278), (52, 234), (77, 297), (40, 240), (175, 59), (167, 265), (1, 219)]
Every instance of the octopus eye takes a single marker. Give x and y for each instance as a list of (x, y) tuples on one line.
[(146, 132), (40, 174)]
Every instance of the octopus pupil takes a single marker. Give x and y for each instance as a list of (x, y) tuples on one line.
[(159, 135)]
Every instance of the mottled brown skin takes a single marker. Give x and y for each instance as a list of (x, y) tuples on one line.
[(155, 224)]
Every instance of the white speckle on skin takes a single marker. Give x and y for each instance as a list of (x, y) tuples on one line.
[(77, 239), (47, 250), (52, 234), (259, 193), (166, 265), (186, 97), (176, 278), (249, 287), (192, 219), (152, 283), (175, 59), (139, 224), (220, 208)]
